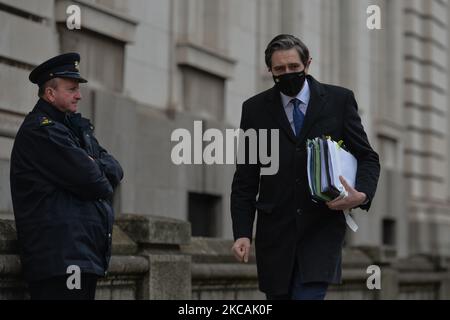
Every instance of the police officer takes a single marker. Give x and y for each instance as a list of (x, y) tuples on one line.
[(62, 183)]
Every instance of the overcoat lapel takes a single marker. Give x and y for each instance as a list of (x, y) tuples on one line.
[(317, 102)]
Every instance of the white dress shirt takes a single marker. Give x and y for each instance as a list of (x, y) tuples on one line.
[(304, 96)]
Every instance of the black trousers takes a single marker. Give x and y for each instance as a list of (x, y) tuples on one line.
[(302, 291), (56, 288)]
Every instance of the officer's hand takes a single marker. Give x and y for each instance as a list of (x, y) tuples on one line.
[(241, 249)]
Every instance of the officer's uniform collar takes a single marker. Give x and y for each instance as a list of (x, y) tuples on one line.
[(50, 110)]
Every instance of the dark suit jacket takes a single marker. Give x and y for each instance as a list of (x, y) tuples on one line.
[(290, 226)]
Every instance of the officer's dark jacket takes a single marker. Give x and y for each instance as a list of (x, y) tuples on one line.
[(61, 196)]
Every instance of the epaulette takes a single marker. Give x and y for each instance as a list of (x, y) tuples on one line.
[(44, 122)]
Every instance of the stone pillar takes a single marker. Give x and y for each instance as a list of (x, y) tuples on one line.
[(159, 239), (384, 258), (444, 290), (389, 283)]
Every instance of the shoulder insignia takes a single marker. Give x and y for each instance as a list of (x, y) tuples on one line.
[(46, 122)]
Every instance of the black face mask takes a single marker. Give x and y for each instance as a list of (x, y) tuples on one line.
[(290, 83)]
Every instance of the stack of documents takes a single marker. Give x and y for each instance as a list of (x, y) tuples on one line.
[(326, 161)]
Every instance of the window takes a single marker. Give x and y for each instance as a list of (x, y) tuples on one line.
[(388, 231), (204, 210)]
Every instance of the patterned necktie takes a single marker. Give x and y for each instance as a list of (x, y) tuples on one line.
[(298, 116)]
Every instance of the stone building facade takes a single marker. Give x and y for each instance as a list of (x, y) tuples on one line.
[(154, 66)]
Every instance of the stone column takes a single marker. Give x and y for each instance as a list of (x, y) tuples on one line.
[(159, 239)]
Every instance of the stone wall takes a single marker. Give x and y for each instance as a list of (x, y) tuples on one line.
[(146, 264), (156, 258)]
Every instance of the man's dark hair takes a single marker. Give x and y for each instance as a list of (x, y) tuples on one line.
[(52, 83), (286, 42)]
